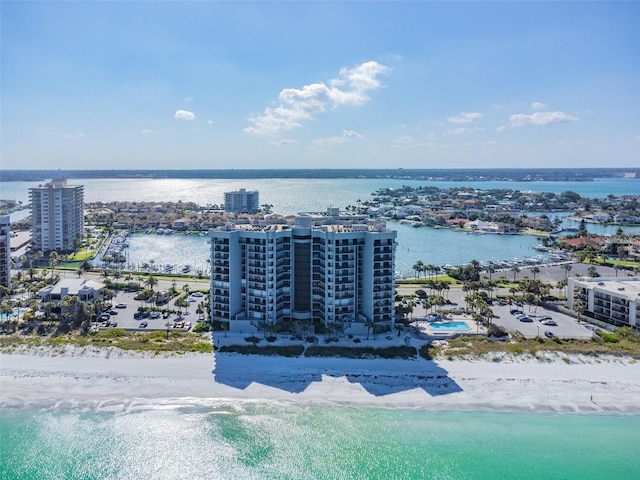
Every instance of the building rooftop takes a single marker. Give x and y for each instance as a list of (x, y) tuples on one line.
[(628, 287)]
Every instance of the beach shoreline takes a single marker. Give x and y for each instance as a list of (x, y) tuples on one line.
[(98, 379)]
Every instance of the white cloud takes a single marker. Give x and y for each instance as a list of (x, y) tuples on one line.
[(299, 104), (184, 115), (209, 122), (463, 131), (501, 129), (70, 135), (539, 119), (464, 117), (149, 132), (407, 142), (538, 106), (188, 99), (337, 140), (283, 142), (75, 135)]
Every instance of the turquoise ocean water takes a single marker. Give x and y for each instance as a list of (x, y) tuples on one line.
[(279, 441)]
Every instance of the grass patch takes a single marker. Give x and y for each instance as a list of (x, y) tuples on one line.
[(178, 342), (480, 346)]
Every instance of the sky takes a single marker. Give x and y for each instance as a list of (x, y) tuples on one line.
[(222, 85)]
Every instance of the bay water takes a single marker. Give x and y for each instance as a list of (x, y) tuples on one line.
[(292, 195)]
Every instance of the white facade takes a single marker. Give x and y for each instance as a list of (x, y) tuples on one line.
[(57, 215), (328, 269), (611, 300), (241, 201), (5, 251)]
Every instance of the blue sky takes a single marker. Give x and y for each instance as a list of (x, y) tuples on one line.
[(119, 85)]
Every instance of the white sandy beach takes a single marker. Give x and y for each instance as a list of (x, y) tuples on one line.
[(109, 379)]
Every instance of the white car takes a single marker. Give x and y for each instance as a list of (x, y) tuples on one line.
[(154, 314), (550, 323), (121, 305)]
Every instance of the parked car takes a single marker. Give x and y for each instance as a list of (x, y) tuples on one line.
[(548, 334), (525, 318), (154, 314), (137, 315), (113, 312), (104, 316), (143, 324), (550, 323), (515, 311), (113, 324), (121, 305), (197, 294), (544, 317)]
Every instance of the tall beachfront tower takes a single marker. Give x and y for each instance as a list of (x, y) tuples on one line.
[(241, 201), (324, 268), (57, 215), (5, 251)]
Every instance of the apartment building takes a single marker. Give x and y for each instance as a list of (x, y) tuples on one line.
[(241, 201), (57, 215), (323, 268), (611, 300), (5, 251)]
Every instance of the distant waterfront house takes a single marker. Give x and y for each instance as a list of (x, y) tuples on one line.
[(582, 242), (86, 290), (612, 300)]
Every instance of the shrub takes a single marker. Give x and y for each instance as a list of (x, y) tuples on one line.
[(201, 327), (494, 330), (269, 350), (426, 351), (608, 337), (202, 347), (401, 351), (113, 333)]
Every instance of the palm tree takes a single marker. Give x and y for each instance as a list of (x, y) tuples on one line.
[(417, 268), (578, 305), (370, 326), (54, 260), (151, 282), (515, 269), (535, 270), (567, 268)]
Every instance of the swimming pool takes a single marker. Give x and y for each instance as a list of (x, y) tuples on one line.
[(450, 326), (16, 313)]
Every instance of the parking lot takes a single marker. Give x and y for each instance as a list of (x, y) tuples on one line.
[(125, 307), (567, 327)]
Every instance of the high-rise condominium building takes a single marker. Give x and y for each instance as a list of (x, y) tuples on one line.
[(5, 251), (241, 201), (57, 215), (328, 268)]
